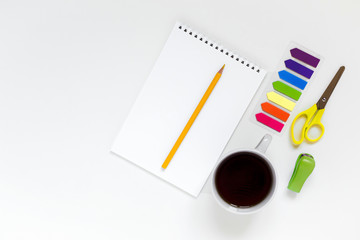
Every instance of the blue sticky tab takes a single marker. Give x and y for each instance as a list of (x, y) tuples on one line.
[(292, 79)]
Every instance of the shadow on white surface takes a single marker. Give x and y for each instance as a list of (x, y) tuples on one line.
[(212, 216), (230, 223), (291, 194)]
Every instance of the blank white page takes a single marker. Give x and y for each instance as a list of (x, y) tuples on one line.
[(180, 77)]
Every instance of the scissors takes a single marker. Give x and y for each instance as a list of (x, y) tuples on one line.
[(313, 115)]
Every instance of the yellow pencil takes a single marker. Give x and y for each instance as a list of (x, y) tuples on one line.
[(192, 118)]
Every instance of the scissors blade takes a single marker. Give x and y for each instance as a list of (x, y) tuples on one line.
[(326, 95)]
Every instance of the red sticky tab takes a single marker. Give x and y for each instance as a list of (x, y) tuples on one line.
[(270, 122)]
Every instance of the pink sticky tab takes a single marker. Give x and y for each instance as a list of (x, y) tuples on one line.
[(270, 122)]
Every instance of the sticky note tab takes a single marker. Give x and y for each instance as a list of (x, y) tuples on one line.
[(286, 90), (281, 101), (275, 111), (304, 57), (298, 68), (292, 79), (270, 122)]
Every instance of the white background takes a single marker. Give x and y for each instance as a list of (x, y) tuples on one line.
[(69, 74)]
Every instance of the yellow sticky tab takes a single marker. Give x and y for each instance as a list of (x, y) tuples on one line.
[(281, 101)]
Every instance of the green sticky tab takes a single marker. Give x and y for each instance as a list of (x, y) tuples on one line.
[(286, 90), (304, 166)]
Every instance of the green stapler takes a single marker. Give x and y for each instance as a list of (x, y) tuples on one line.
[(304, 166)]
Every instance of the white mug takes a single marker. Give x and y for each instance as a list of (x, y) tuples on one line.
[(258, 151)]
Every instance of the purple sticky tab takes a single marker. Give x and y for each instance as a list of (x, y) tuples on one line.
[(298, 68), (304, 57)]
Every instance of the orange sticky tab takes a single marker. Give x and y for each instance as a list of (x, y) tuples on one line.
[(275, 111)]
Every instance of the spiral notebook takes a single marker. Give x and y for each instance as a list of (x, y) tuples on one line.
[(181, 75)]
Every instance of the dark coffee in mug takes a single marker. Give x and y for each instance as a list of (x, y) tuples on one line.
[(243, 179)]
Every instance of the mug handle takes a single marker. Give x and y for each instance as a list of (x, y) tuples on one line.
[(264, 143)]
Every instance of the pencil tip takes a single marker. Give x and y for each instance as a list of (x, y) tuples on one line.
[(222, 69)]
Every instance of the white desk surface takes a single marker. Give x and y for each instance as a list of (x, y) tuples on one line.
[(69, 74)]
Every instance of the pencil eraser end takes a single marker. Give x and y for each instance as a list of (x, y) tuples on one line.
[(304, 166)]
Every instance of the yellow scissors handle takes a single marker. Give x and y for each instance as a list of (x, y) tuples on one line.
[(315, 123), (312, 119)]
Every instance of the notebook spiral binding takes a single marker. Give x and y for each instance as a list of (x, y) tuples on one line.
[(218, 47)]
